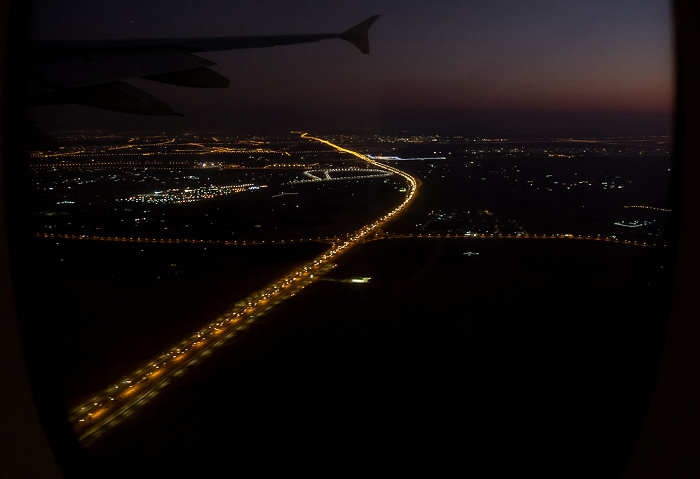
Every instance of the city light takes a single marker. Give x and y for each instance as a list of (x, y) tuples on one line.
[(188, 195), (107, 408)]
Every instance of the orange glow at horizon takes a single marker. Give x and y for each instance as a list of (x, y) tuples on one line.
[(618, 95)]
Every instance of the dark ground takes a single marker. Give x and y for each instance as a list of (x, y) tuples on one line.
[(534, 356)]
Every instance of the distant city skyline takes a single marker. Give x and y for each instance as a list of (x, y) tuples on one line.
[(535, 68)]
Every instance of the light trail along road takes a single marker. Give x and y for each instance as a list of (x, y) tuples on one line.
[(107, 408)]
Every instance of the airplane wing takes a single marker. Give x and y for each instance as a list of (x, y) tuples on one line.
[(92, 73)]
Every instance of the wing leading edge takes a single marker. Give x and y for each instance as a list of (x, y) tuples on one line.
[(91, 73)]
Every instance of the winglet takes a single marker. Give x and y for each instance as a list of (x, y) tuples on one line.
[(357, 35)]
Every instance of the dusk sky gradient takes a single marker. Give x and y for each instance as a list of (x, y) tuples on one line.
[(519, 66)]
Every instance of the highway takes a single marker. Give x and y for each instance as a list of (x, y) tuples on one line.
[(523, 236), (95, 415), (118, 401), (103, 410), (377, 235), (131, 239)]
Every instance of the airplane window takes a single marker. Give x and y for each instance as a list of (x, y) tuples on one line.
[(300, 236)]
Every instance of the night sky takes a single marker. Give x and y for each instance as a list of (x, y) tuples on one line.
[(547, 67)]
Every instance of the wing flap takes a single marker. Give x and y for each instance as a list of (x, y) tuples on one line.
[(113, 96), (62, 72), (198, 77)]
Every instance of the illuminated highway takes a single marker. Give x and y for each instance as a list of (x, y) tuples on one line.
[(138, 239), (94, 416), (107, 408), (666, 210), (525, 236), (334, 239)]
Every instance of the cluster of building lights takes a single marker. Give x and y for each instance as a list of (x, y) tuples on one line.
[(632, 224), (138, 149), (188, 195), (324, 175)]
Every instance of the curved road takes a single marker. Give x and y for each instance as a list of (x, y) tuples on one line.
[(109, 407)]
